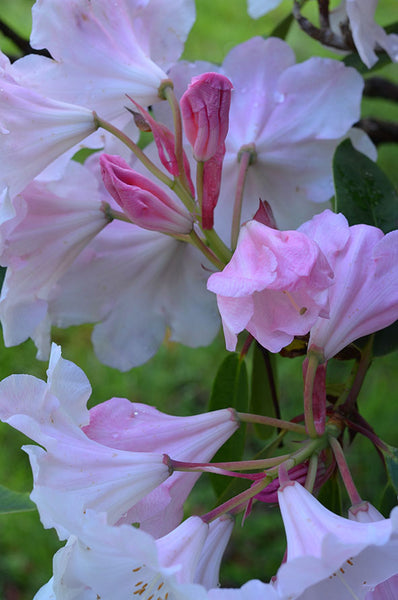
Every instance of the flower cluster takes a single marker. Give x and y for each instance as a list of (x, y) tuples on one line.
[(170, 238)]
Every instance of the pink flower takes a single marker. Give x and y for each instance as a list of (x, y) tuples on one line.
[(275, 286), (388, 589), (144, 202), (55, 220), (74, 473), (103, 558), (329, 556), (364, 296), (34, 131), (103, 52), (135, 427)]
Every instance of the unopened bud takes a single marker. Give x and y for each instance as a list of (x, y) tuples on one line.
[(205, 113), (144, 202)]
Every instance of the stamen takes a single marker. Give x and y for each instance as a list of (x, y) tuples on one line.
[(347, 586), (301, 310)]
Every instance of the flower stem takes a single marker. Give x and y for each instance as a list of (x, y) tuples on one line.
[(313, 362), (241, 465), (345, 473), (278, 423), (135, 149), (312, 472), (244, 162), (209, 254)]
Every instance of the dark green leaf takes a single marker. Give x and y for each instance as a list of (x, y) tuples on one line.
[(330, 495), (2, 275), (392, 467), (386, 340), (12, 502), (263, 397), (230, 389), (364, 194), (282, 28), (388, 500)]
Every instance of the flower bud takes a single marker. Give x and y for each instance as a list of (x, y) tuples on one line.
[(144, 202), (205, 113)]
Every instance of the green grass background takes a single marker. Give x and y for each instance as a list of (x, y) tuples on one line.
[(177, 379)]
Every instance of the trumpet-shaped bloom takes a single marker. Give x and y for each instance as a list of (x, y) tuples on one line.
[(74, 473), (275, 286), (129, 426), (105, 558), (144, 202), (329, 556), (53, 222), (104, 51), (258, 8), (364, 296), (34, 131)]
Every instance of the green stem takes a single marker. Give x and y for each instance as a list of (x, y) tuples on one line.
[(278, 423), (311, 473), (313, 362), (218, 246), (245, 160), (209, 254), (137, 151)]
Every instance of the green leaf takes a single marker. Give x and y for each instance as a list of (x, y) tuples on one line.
[(388, 500), (282, 28), (13, 502), (230, 389), (330, 495), (392, 467), (263, 398), (386, 340), (364, 194)]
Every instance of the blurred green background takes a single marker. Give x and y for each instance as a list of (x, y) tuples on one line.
[(177, 379)]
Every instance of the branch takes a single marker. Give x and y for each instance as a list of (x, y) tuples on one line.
[(19, 41), (380, 132), (378, 87), (325, 35)]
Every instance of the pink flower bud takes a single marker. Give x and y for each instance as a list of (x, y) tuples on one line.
[(205, 113), (145, 203)]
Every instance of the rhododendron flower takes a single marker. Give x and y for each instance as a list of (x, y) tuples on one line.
[(144, 202), (388, 589), (160, 282), (253, 589), (74, 473), (104, 558), (126, 50), (368, 36), (275, 286), (131, 426), (55, 220), (34, 131), (364, 296), (291, 117), (329, 556)]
